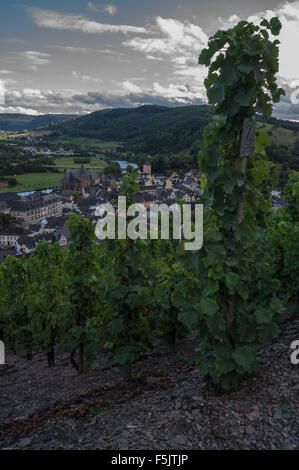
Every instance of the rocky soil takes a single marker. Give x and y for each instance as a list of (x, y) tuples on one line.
[(168, 406)]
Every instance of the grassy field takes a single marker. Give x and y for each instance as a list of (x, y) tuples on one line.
[(280, 136), (69, 161), (31, 181), (83, 143), (39, 133), (283, 136), (13, 136)]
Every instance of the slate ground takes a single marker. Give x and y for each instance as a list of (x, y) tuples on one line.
[(168, 406)]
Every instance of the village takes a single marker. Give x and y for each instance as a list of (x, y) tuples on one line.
[(42, 215)]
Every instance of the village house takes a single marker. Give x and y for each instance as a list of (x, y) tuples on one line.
[(158, 180), (148, 189), (145, 198), (10, 235), (49, 224), (91, 191), (276, 193), (67, 194), (163, 194), (188, 197), (195, 173), (28, 211), (278, 203), (171, 180), (63, 236), (27, 244)]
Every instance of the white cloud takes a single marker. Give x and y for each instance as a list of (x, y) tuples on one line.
[(55, 20), (33, 93), (152, 57), (2, 92), (111, 9), (178, 93), (18, 110), (128, 95), (131, 87), (85, 50), (13, 40), (85, 78), (27, 60), (228, 22), (173, 44), (177, 43), (35, 58), (290, 11), (176, 39)]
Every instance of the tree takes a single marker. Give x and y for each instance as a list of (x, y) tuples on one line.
[(12, 181), (4, 220), (160, 164), (76, 195), (130, 169), (113, 169)]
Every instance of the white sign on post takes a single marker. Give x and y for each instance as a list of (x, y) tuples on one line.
[(248, 138), (2, 353)]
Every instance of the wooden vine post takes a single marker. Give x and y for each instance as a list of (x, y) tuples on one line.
[(247, 149)]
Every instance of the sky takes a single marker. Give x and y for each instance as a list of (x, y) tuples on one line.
[(78, 56)]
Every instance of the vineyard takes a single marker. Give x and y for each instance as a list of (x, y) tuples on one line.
[(119, 300)]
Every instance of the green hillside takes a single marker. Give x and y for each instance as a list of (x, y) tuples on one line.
[(152, 129), (15, 122), (149, 129), (20, 122), (166, 130)]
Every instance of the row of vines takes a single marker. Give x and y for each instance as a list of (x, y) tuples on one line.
[(119, 297)]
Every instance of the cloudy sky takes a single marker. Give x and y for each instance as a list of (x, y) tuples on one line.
[(78, 56)]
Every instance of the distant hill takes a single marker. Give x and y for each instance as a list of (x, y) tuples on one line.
[(21, 122), (168, 130), (149, 129), (15, 122)]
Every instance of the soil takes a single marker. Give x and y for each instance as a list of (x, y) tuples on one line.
[(167, 407)]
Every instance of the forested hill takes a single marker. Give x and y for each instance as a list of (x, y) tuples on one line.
[(149, 129), (156, 130), (168, 130), (21, 122)]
